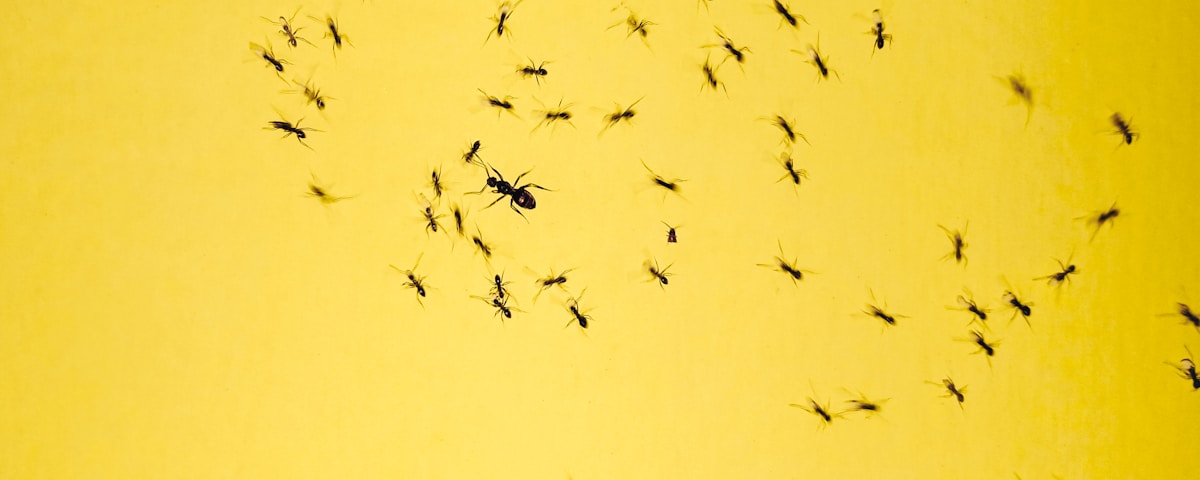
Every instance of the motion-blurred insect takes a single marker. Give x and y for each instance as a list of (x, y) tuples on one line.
[(291, 129), (472, 153), (966, 304), (414, 281), (671, 238), (789, 165), (460, 215), (1062, 275), (435, 182), (787, 16), (1098, 219), (789, 133), (952, 390), (322, 193), (821, 63), (821, 411), (481, 245), (579, 316), (535, 70), (656, 273), (312, 94), (520, 196), (1185, 311), (1187, 369), (989, 349), (622, 114), (500, 305), (1122, 128), (501, 105), (959, 243), (782, 265), (287, 30), (710, 77), (876, 31), (431, 219), (1023, 308), (552, 280), (267, 53), (738, 54), (499, 286), (334, 32), (668, 185), (634, 24), (503, 14), (863, 404), (873, 310), (554, 116), (1021, 92)]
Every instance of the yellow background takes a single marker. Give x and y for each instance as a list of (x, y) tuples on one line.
[(175, 306)]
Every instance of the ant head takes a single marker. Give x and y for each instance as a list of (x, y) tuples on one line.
[(491, 181)]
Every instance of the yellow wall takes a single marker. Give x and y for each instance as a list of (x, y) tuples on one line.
[(175, 306)]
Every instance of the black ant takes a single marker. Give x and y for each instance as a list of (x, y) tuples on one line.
[(436, 183), (988, 349), (789, 133), (877, 26), (503, 14), (873, 310), (459, 216), (625, 114), (1023, 93), (291, 129), (821, 63), (1098, 219), (657, 273), (552, 117), (472, 153), (1123, 129), (322, 193), (710, 77), (414, 281), (636, 25), (782, 265), (671, 237), (580, 317), (551, 280), (481, 246), (738, 54), (978, 314), (787, 15), (816, 409), (431, 220), (1019, 307), (669, 185), (789, 164), (1189, 317), (1187, 369), (959, 243), (311, 93), (268, 53), (501, 306), (499, 288), (1063, 275), (502, 105), (338, 37), (863, 404), (952, 390), (520, 196), (537, 71), (286, 29)]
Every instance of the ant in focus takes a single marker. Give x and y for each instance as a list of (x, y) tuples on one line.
[(658, 180), (656, 273), (472, 153), (291, 129), (782, 265), (1025, 309), (501, 105), (876, 31), (552, 280), (520, 195), (952, 390), (537, 71), (1098, 219), (625, 114), (580, 317), (287, 30), (436, 182), (960, 245), (821, 63), (787, 15), (334, 32), (978, 314), (500, 305), (1187, 369), (503, 14), (499, 288), (1122, 128), (431, 220), (1063, 275), (789, 133), (414, 281)]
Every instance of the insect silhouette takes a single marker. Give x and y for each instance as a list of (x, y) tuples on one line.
[(1189, 317), (978, 313), (579, 316), (789, 133), (435, 182), (501, 105), (636, 25), (876, 31), (738, 54), (710, 77), (989, 349), (1187, 369), (554, 116), (873, 310), (268, 54), (312, 94), (287, 30), (431, 219), (787, 16), (519, 196), (291, 129), (1062, 275), (1023, 308), (501, 306), (537, 71), (499, 286), (472, 153), (1021, 92), (671, 237), (952, 390), (322, 193), (481, 246), (789, 165), (781, 264), (460, 216), (657, 180), (1098, 219), (502, 16), (334, 32), (821, 411), (552, 280), (821, 63), (863, 404), (959, 243), (1121, 127), (657, 273), (622, 114), (414, 281)]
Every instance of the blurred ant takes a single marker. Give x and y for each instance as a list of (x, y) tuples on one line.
[(957, 240), (322, 193), (1099, 218), (671, 238), (291, 129), (787, 15), (1187, 369), (782, 265), (414, 281), (1024, 309), (669, 185), (657, 273), (459, 216), (738, 54), (877, 26), (431, 220), (472, 154), (978, 314), (788, 163), (821, 63), (789, 133), (816, 409), (334, 33), (520, 196), (1022, 92), (1063, 275), (499, 288), (481, 246), (1123, 129), (710, 77), (436, 182), (311, 93), (537, 71), (873, 310), (503, 14), (267, 53), (287, 30), (863, 404), (553, 116), (953, 391), (620, 115), (501, 306), (551, 280), (580, 317), (502, 105), (987, 348), (1189, 317), (635, 25)]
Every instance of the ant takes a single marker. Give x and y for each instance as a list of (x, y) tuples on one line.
[(291, 129), (414, 281), (286, 29), (551, 117), (958, 393), (670, 185), (580, 317), (620, 115), (956, 239), (550, 281), (821, 63), (498, 288), (782, 265), (710, 77), (322, 193), (503, 14), (636, 25), (1063, 275), (1025, 309), (480, 245), (1189, 317), (789, 133), (459, 216), (501, 306), (862, 404), (816, 409), (311, 93), (472, 153), (1123, 129), (968, 305), (1099, 218), (268, 53), (1187, 369), (520, 195), (538, 72), (1023, 93), (738, 54), (436, 182), (430, 219), (873, 310), (502, 105), (789, 165), (657, 273), (987, 348), (787, 15), (338, 37), (877, 26), (671, 238)]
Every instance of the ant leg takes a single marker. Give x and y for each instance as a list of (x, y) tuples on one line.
[(501, 197), (534, 185)]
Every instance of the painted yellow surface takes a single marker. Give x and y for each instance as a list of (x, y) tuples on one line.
[(175, 305)]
